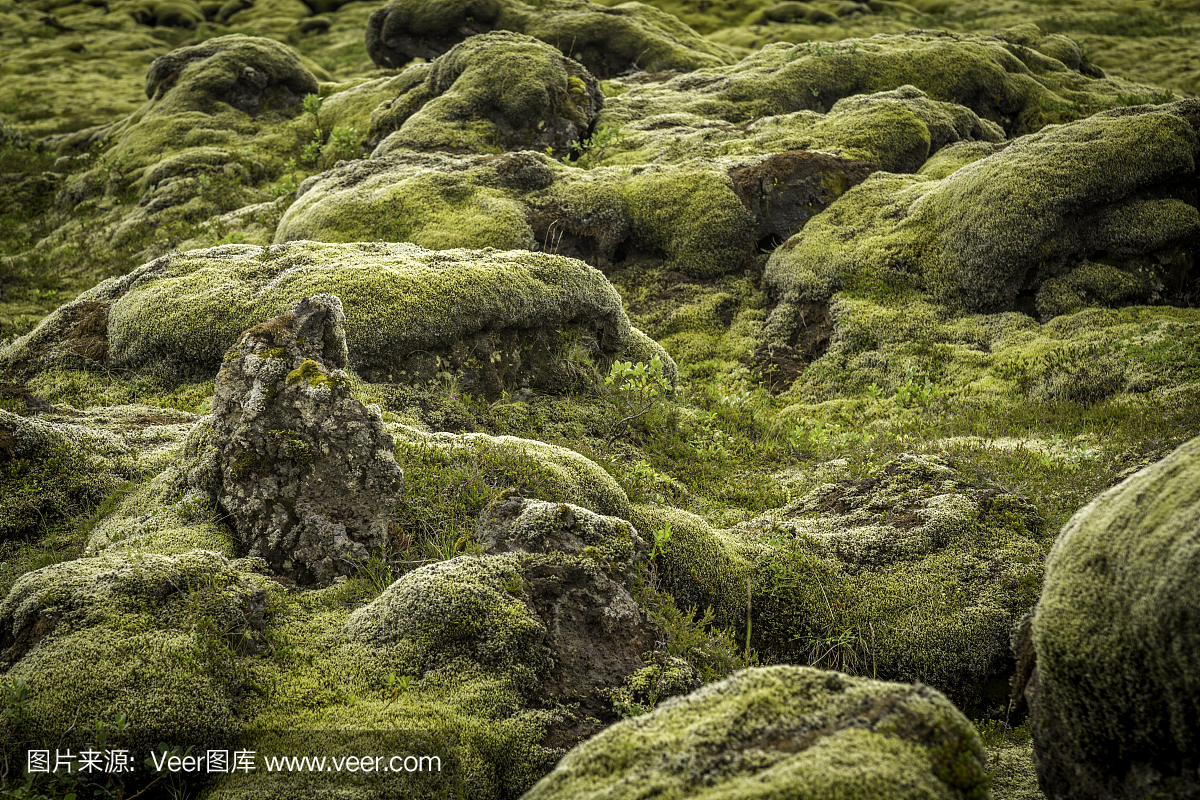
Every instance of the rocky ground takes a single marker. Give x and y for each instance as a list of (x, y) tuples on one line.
[(687, 399)]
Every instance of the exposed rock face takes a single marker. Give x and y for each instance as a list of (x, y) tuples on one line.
[(1109, 657), (305, 471), (595, 631), (608, 41), (773, 731), (499, 89), (1117, 224)]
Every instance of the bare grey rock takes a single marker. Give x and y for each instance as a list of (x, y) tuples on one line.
[(305, 471)]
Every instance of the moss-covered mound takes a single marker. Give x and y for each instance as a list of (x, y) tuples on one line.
[(413, 314), (542, 102), (152, 637), (917, 574), (1097, 212), (782, 732), (1116, 636), (608, 41), (1015, 86), (49, 471), (703, 217)]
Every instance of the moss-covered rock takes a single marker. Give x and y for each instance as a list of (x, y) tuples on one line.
[(916, 575), (893, 130), (1112, 188), (1114, 637), (1014, 86), (782, 732), (607, 41), (155, 638), (543, 102), (414, 316), (703, 217), (51, 470)]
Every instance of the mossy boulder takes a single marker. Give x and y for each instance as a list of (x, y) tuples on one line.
[(156, 638), (1112, 648), (414, 316), (562, 627), (251, 74), (607, 41), (1024, 222), (541, 101), (916, 575), (782, 732), (314, 505)]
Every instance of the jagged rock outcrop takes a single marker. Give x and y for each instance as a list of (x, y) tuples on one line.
[(776, 732), (1107, 661), (305, 471)]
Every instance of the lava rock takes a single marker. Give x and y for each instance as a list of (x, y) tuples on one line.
[(305, 471)]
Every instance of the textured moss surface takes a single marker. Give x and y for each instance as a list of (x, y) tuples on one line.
[(782, 731), (606, 41), (403, 303), (1115, 630), (1013, 220), (544, 101), (144, 635)]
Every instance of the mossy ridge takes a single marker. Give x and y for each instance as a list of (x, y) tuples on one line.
[(1016, 87), (759, 723), (606, 41), (916, 233), (413, 314), (895, 130)]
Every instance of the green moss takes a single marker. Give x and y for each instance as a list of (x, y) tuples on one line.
[(408, 309), (311, 373), (52, 471), (985, 232), (124, 638), (1016, 87), (606, 41), (1113, 621), (760, 724), (155, 519), (544, 102)]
